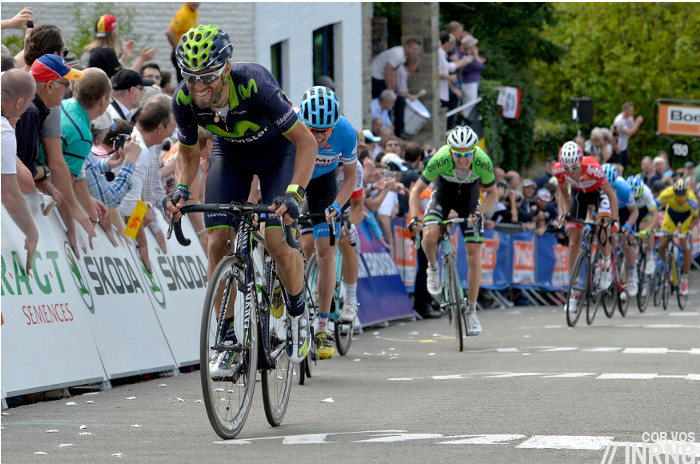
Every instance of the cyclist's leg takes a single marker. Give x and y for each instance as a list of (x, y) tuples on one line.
[(436, 210), (669, 227), (578, 209), (349, 267), (226, 181), (687, 255)]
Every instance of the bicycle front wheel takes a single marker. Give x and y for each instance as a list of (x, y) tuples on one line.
[(578, 289), (645, 283), (666, 282), (455, 301), (227, 371), (621, 277)]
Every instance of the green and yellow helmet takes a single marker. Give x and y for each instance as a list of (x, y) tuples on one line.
[(202, 48)]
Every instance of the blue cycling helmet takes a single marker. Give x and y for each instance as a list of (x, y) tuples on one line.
[(636, 184), (320, 108), (610, 173)]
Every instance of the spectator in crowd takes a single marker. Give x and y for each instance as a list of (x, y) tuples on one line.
[(513, 179), (697, 174), (528, 200), (183, 21), (543, 178), (669, 170), (8, 62), (499, 174), (471, 72), (381, 107), (506, 210), (92, 94), (154, 125), (102, 51), (648, 173), (446, 68), (101, 181), (599, 145), (20, 20), (391, 144), (18, 89), (166, 83), (581, 142), (372, 143), (624, 126), (151, 70), (48, 39), (456, 30), (127, 92), (326, 81), (689, 169), (385, 64), (403, 93), (545, 212)]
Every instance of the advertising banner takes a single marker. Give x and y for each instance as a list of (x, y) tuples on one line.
[(46, 338)]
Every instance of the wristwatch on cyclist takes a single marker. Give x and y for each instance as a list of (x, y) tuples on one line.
[(297, 190)]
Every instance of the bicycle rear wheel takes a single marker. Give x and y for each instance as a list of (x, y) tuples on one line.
[(609, 296), (455, 301), (311, 297), (645, 283), (657, 284), (228, 393), (578, 288), (343, 332), (682, 299)]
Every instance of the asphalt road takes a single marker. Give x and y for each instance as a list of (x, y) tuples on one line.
[(528, 390)]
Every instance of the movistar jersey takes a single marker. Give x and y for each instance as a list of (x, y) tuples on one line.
[(257, 113), (443, 165), (341, 146), (624, 193)]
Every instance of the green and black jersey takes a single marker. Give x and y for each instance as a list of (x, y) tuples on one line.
[(442, 164)]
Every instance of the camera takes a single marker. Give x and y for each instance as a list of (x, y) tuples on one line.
[(120, 140)]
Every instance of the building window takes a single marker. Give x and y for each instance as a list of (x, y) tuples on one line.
[(276, 67), (324, 55)]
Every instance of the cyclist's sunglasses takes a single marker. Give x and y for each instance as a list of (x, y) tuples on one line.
[(321, 131), (464, 154), (206, 78), (571, 168)]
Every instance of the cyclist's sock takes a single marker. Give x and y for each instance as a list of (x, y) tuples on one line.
[(433, 265), (471, 307), (295, 305), (350, 291), (323, 322)]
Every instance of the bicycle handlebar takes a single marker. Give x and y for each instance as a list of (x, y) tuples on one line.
[(234, 208)]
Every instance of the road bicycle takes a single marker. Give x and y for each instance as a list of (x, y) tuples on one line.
[(616, 296), (454, 301), (342, 330), (260, 328), (645, 280), (670, 281), (583, 284)]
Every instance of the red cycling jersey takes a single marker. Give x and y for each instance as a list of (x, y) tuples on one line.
[(592, 175)]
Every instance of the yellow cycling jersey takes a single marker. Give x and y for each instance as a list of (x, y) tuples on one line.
[(690, 205)]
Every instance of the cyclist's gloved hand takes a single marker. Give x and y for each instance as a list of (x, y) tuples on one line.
[(412, 224), (291, 201), (181, 192), (627, 228), (335, 209), (615, 226)]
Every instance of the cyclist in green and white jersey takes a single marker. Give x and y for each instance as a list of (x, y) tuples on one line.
[(456, 172)]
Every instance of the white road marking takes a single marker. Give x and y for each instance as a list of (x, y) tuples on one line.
[(401, 437), (494, 439), (645, 351), (566, 442), (603, 349), (571, 375), (626, 376)]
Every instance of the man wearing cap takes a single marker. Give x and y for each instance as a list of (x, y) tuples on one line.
[(525, 206), (128, 88), (545, 211), (689, 169), (52, 77), (17, 92)]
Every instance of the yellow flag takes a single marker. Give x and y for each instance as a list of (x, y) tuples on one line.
[(132, 227)]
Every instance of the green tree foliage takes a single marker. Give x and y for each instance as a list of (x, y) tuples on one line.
[(617, 52)]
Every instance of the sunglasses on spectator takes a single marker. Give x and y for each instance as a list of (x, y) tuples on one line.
[(67, 83), (63, 53), (463, 154), (206, 78), (320, 131)]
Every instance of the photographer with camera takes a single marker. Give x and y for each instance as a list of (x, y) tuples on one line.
[(624, 126)]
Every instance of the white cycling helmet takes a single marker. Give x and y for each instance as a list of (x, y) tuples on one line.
[(570, 154), (462, 137)]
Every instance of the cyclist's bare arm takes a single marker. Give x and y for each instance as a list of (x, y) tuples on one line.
[(612, 196), (348, 185), (565, 199), (414, 197), (186, 167), (306, 151), (490, 200)]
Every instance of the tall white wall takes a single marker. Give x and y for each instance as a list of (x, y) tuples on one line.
[(295, 23)]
